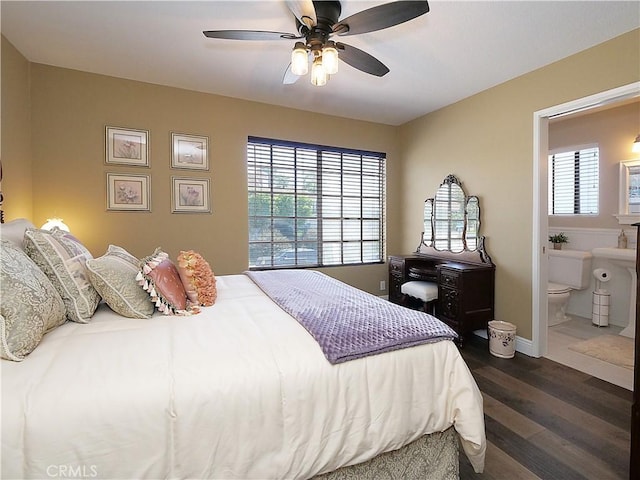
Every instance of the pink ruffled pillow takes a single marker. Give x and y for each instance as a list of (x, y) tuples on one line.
[(160, 278), (198, 279)]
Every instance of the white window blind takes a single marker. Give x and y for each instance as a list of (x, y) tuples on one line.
[(311, 205), (573, 182)]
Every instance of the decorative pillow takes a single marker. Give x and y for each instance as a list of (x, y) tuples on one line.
[(30, 305), (114, 277), (14, 231), (160, 278), (197, 278), (62, 258)]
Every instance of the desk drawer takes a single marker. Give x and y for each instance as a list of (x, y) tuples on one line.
[(396, 268), (450, 303), (449, 278)]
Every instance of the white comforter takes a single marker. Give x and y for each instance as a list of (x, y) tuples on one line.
[(238, 391)]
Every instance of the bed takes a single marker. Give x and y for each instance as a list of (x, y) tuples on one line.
[(239, 390)]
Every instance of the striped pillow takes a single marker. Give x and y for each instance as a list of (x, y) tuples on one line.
[(113, 275), (62, 258)]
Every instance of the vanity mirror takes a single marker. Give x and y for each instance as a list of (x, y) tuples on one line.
[(450, 269), (452, 221), (629, 193)]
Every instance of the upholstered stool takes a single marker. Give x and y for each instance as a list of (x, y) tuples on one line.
[(427, 292)]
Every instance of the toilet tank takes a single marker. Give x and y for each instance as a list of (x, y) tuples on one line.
[(570, 267)]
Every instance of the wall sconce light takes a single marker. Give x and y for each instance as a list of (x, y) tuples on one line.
[(636, 145), (55, 222)]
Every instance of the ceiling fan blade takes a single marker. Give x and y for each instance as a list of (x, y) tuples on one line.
[(249, 35), (289, 77), (304, 10), (380, 17), (361, 60)]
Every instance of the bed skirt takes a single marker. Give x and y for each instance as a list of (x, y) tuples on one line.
[(431, 457)]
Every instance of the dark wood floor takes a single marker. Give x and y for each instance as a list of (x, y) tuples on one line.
[(544, 420)]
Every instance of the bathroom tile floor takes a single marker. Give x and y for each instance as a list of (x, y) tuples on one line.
[(559, 337)]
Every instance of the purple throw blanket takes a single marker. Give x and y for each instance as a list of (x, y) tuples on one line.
[(346, 322)]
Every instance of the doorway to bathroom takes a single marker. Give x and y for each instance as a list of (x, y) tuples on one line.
[(553, 342)]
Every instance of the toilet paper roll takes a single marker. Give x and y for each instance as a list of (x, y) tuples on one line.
[(602, 274)]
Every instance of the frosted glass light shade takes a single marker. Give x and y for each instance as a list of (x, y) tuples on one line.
[(330, 59), (636, 145), (299, 60), (319, 75)]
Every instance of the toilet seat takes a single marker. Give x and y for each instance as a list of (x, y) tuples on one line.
[(557, 288)]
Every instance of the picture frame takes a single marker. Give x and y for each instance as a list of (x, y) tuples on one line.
[(128, 192), (126, 146), (190, 195), (189, 152)]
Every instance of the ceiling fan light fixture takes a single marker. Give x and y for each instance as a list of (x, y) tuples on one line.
[(319, 75), (316, 21), (330, 58), (299, 59)]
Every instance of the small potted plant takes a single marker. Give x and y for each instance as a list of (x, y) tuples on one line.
[(558, 239)]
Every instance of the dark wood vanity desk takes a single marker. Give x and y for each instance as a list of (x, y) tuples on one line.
[(452, 254), (465, 290)]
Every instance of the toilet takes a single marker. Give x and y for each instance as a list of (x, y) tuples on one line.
[(568, 270)]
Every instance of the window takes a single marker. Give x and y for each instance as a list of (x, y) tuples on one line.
[(573, 182), (312, 205)]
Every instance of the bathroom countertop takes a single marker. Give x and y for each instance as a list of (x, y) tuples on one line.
[(612, 253)]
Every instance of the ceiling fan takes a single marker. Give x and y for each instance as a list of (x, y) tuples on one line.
[(317, 22)]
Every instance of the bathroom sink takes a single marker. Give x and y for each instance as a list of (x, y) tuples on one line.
[(625, 257)]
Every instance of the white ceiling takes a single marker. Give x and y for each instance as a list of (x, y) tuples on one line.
[(455, 50)]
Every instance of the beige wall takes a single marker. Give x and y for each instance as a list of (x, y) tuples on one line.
[(69, 111), (15, 138), (487, 141), (614, 131)]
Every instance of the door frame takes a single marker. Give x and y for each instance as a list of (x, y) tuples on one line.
[(539, 273)]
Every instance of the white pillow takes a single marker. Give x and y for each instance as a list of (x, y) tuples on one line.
[(14, 231)]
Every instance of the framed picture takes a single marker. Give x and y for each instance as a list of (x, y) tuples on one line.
[(128, 192), (126, 146), (190, 195), (189, 151)]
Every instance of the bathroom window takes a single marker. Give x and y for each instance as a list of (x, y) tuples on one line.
[(574, 181)]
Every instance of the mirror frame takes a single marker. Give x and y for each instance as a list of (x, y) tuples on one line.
[(625, 216), (448, 217), (445, 191), (470, 245), (472, 223)]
